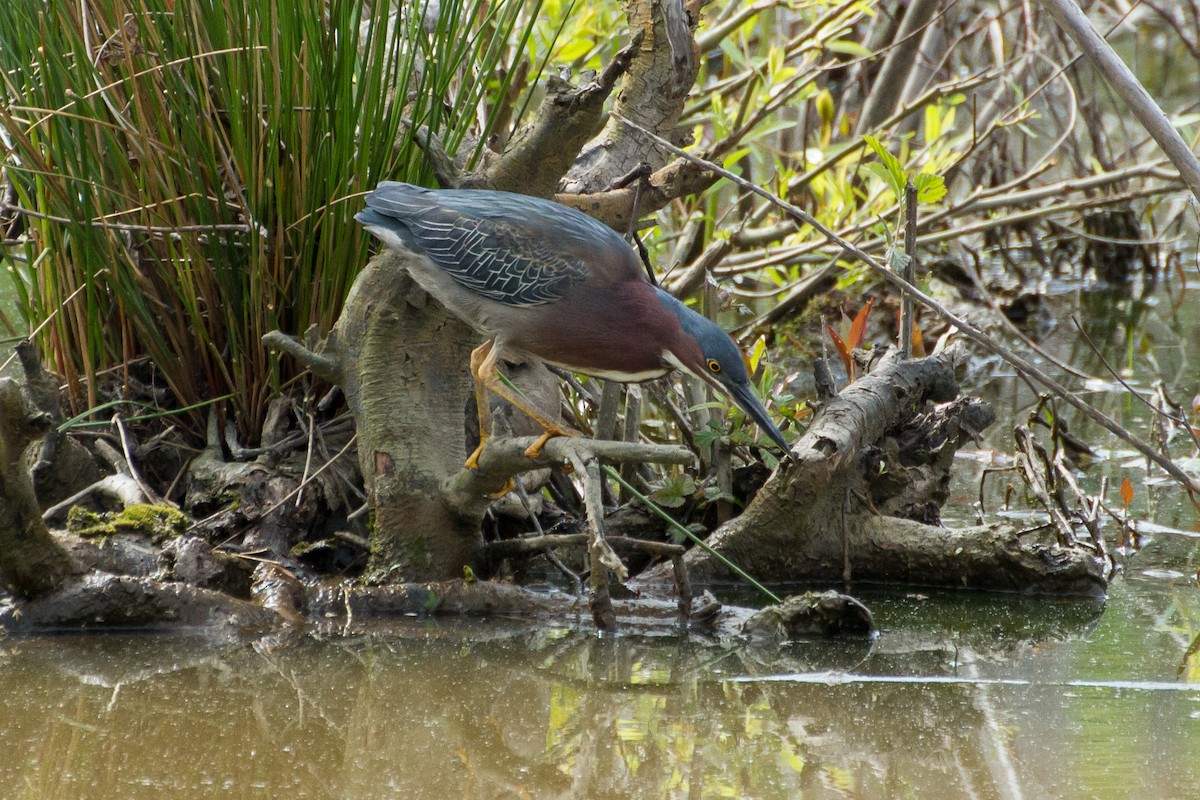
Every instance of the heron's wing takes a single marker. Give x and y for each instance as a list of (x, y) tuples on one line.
[(511, 249)]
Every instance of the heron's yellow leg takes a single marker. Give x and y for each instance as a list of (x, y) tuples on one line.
[(478, 357), (484, 368)]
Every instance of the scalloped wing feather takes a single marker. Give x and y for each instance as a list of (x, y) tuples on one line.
[(516, 250)]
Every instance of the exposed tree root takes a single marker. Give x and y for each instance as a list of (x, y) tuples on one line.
[(102, 600), (31, 562)]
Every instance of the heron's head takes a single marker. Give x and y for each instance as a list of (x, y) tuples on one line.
[(707, 352)]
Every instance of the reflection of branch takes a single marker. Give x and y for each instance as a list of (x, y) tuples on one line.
[(1176, 419), (1193, 648), (993, 733)]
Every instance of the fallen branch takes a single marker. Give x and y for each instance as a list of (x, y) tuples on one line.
[(876, 459)]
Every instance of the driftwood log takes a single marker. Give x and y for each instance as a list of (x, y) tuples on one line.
[(858, 503)]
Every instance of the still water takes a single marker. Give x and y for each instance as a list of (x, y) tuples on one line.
[(960, 696)]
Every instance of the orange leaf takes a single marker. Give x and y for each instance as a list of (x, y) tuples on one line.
[(841, 348), (858, 328), (1126, 492), (918, 342)]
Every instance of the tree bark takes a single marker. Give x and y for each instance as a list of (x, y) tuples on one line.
[(31, 562), (543, 149), (403, 363), (652, 94)]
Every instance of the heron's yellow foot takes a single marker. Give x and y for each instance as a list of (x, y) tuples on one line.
[(472, 461), (535, 450), (509, 485)]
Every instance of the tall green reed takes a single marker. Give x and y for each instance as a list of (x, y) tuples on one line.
[(194, 166)]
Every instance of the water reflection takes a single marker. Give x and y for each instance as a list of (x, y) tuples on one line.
[(490, 710)]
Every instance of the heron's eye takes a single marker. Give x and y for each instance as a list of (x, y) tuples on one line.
[(714, 366)]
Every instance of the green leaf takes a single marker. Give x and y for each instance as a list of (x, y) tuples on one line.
[(894, 171), (897, 260), (756, 353), (881, 172), (930, 188), (731, 160), (933, 123), (709, 437), (713, 494), (847, 47), (675, 492)]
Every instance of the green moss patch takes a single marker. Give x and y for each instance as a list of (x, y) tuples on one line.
[(159, 523)]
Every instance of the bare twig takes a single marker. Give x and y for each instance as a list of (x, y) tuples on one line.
[(1034, 464), (1070, 17), (345, 448), (130, 466), (910, 266), (966, 329), (601, 556)]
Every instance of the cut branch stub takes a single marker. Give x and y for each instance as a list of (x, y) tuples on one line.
[(542, 150), (660, 75)]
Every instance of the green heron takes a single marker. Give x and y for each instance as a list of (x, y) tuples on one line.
[(544, 280)]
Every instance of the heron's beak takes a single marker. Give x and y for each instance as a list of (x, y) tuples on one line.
[(747, 401)]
